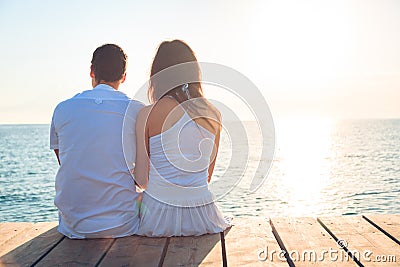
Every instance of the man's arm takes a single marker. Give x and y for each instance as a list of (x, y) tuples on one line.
[(58, 158), (54, 137)]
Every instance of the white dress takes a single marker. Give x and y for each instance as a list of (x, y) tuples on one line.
[(177, 201)]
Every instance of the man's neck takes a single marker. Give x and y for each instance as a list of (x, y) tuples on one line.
[(114, 85)]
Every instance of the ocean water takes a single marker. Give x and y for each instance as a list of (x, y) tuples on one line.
[(320, 167)]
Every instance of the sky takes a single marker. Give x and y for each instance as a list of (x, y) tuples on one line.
[(329, 59)]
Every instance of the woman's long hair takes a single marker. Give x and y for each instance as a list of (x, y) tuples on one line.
[(188, 92), (169, 54)]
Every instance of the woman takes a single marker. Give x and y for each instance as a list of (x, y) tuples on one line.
[(177, 142)]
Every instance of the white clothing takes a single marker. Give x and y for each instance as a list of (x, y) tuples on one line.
[(95, 192), (177, 201)]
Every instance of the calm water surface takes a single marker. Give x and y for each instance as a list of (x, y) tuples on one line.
[(320, 168)]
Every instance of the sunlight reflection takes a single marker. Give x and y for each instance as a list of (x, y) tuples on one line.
[(303, 159)]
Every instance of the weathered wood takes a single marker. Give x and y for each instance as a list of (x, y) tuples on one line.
[(25, 232), (9, 230), (193, 251), (389, 224), (250, 242), (306, 242), (247, 243), (70, 252), (135, 251), (362, 240), (31, 251)]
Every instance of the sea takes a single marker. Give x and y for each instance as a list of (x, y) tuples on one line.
[(320, 168)]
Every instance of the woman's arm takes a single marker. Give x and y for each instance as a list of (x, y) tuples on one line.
[(141, 173), (214, 155), (56, 151)]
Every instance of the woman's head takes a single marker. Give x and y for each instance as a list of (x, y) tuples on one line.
[(172, 53)]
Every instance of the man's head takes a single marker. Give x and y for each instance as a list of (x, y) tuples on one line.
[(109, 64)]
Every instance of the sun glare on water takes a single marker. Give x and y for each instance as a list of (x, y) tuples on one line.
[(303, 161)]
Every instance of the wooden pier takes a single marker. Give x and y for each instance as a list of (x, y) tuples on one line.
[(369, 240)]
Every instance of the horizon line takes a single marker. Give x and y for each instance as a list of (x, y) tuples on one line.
[(275, 119)]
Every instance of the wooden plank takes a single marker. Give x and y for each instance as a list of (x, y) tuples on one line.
[(366, 243), (306, 242), (194, 250), (25, 232), (31, 251), (9, 230), (135, 251), (74, 252), (250, 242), (25, 244), (388, 224)]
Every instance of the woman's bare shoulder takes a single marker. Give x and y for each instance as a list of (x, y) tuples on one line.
[(145, 112), (207, 115), (164, 113), (214, 110), (164, 108)]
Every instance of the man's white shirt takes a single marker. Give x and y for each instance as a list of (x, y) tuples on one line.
[(95, 192)]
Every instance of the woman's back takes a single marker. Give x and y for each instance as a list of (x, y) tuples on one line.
[(184, 141), (181, 154)]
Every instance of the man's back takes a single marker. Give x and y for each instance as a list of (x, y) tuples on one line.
[(95, 192)]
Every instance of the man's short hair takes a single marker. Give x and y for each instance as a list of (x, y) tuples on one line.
[(109, 63)]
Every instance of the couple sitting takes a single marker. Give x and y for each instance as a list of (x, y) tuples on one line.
[(111, 148)]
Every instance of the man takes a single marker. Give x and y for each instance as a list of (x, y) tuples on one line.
[(95, 192)]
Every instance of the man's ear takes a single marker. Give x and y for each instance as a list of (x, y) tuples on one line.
[(91, 72), (123, 78)]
